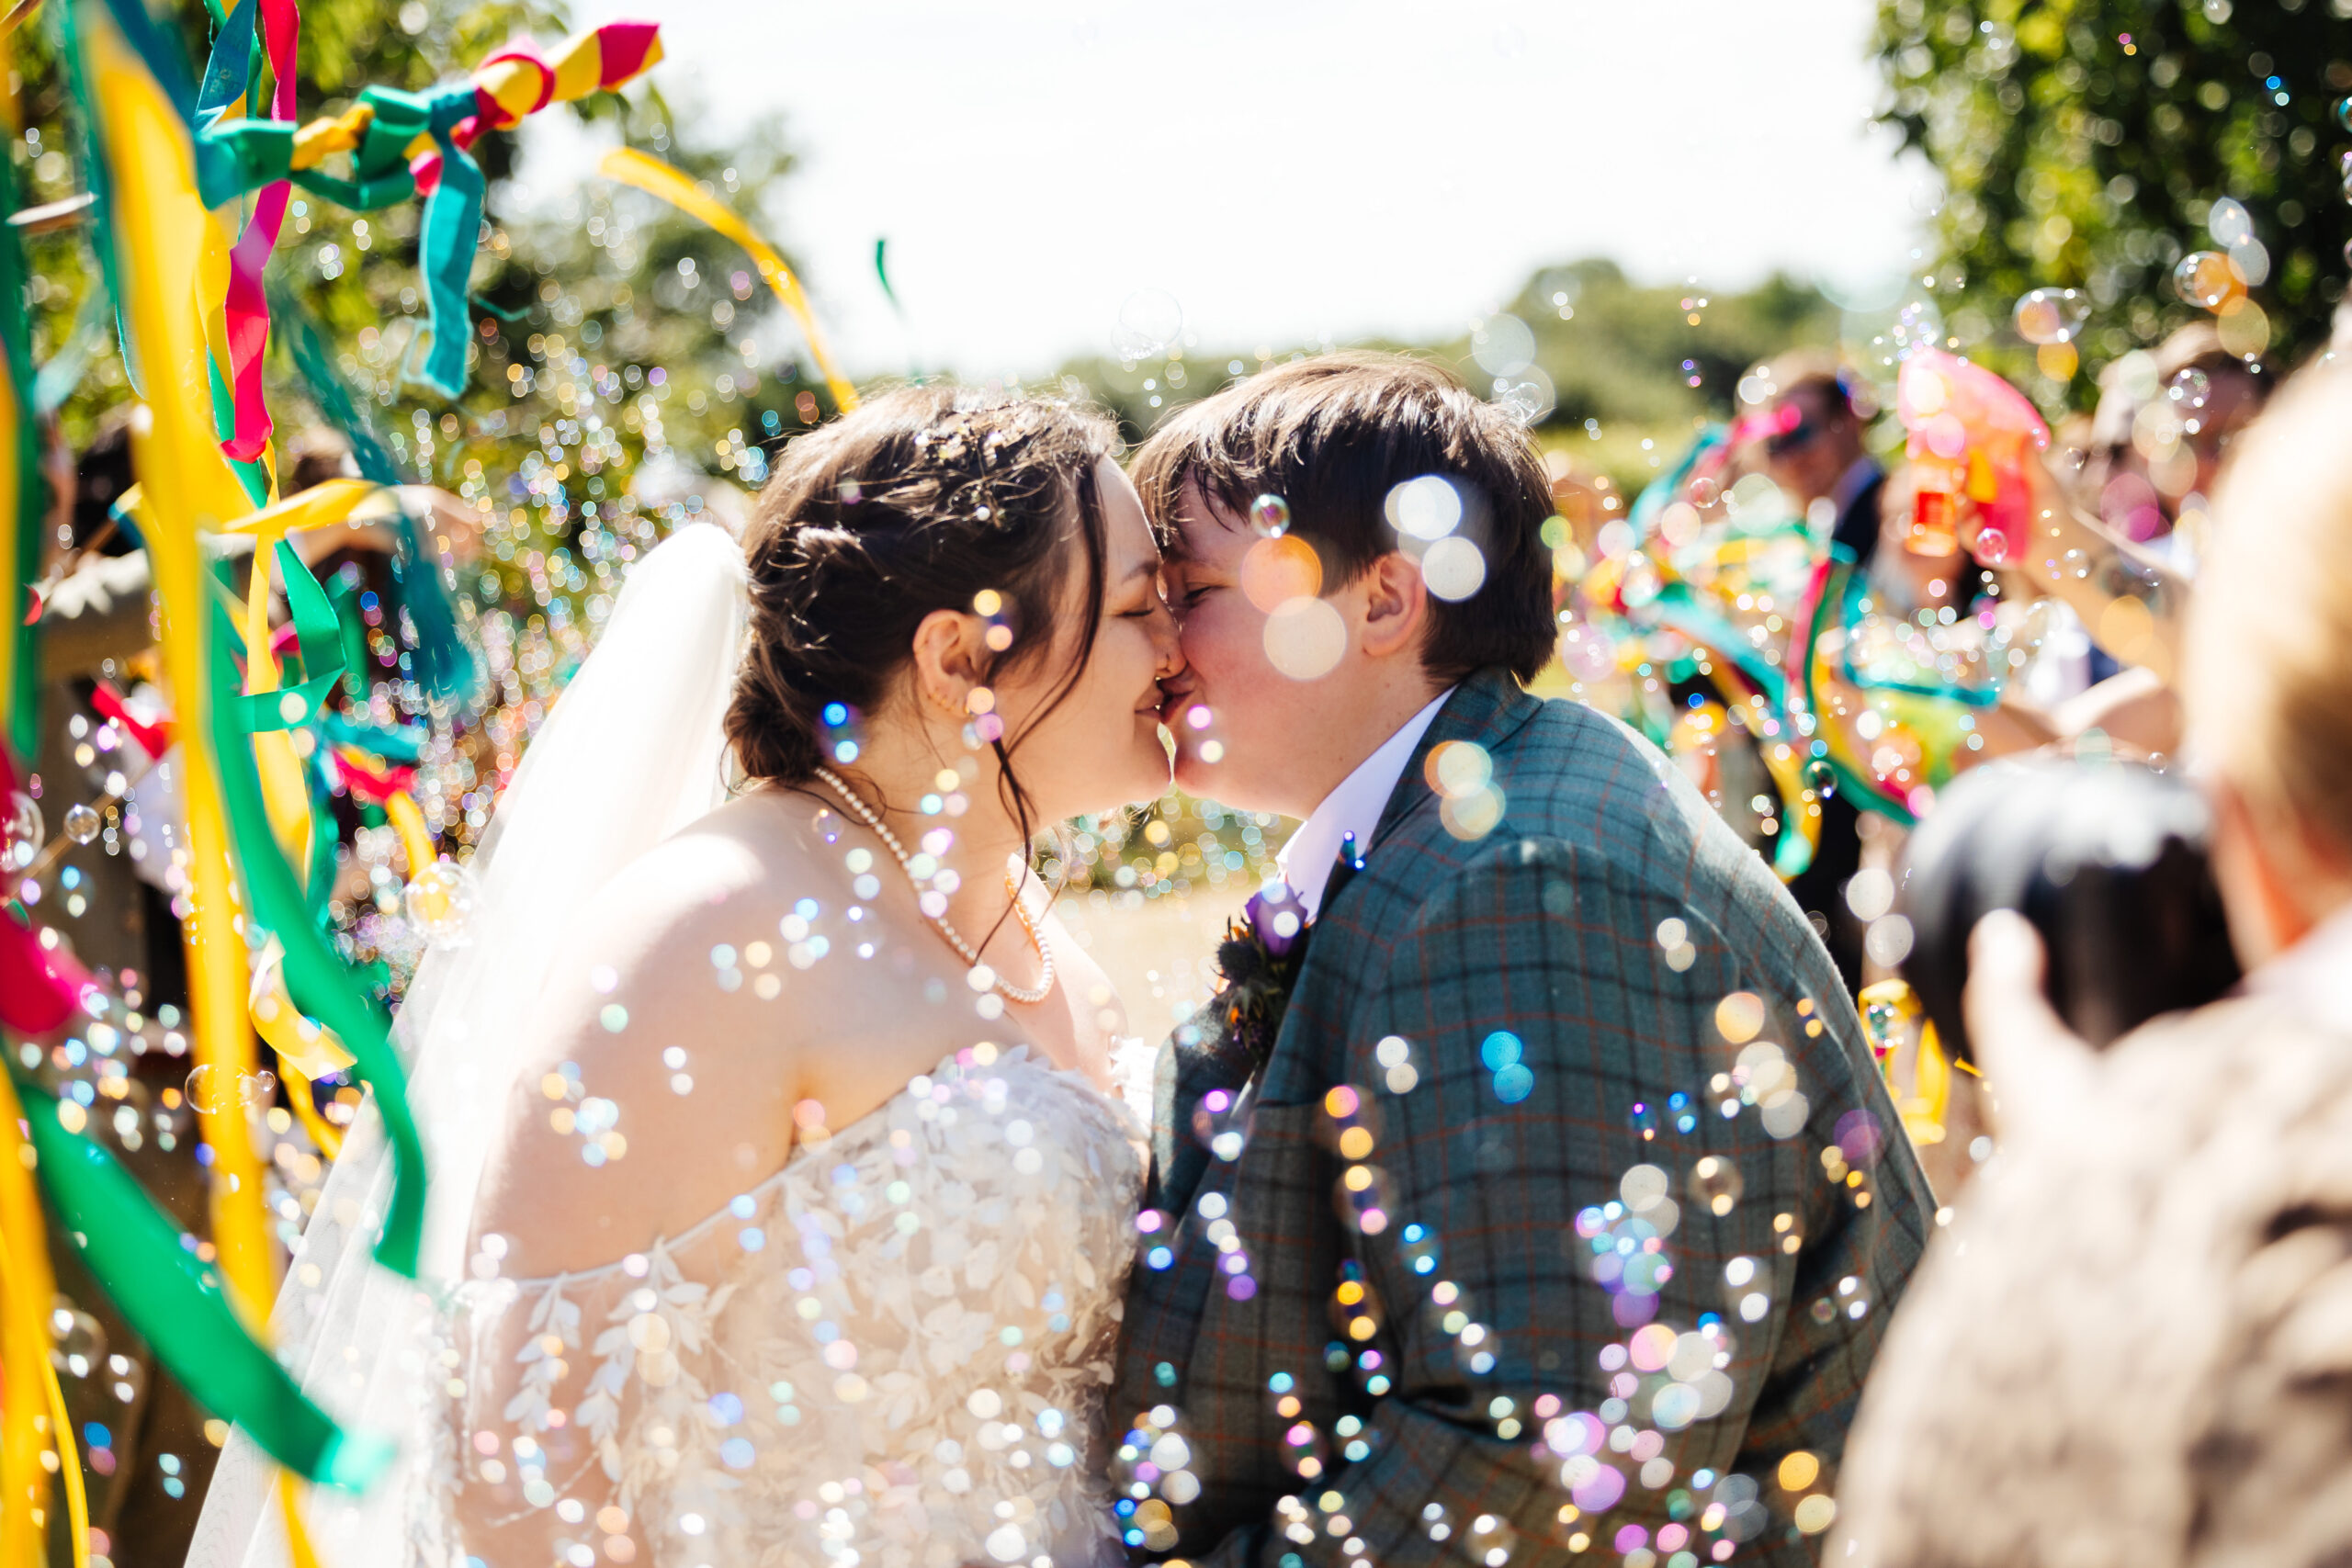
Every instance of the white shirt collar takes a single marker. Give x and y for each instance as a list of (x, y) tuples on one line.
[(1353, 808), (2314, 976)]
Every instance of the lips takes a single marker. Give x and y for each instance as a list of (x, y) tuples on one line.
[(1175, 696)]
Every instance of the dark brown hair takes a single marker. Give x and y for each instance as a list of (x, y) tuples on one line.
[(919, 501), (1332, 435)]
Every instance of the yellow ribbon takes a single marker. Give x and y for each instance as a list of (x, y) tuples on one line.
[(309, 1048), (159, 228), (26, 1290), (1893, 1017), (655, 177)]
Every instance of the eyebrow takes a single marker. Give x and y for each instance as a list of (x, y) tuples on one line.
[(1141, 569)]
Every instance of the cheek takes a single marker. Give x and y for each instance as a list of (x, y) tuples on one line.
[(1229, 636)]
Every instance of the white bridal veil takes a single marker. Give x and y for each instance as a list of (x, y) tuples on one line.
[(630, 753)]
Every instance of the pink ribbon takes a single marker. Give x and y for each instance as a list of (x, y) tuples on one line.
[(245, 308), (40, 988)]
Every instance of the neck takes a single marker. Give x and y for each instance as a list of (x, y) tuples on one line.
[(901, 763), (1389, 701)]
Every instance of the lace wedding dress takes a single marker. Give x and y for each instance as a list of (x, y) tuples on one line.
[(893, 1352)]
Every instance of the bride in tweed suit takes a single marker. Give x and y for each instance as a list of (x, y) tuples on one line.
[(1564, 1206)]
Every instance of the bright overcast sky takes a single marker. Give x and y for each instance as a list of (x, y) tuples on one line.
[(1284, 168)]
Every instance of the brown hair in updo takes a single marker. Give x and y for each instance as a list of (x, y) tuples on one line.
[(917, 501)]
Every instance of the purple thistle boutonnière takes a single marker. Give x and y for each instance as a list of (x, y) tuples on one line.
[(1258, 962)]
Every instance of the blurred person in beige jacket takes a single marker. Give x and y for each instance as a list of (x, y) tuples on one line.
[(2133, 1342)]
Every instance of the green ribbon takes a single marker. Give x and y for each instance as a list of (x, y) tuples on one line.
[(175, 1302), (355, 637), (316, 634), (32, 490), (315, 975), (1861, 789), (318, 891)]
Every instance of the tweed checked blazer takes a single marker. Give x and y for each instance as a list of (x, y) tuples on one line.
[(1568, 1051)]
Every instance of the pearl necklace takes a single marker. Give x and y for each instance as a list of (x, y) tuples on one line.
[(873, 819)]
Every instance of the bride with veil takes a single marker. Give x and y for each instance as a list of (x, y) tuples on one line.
[(778, 1213)]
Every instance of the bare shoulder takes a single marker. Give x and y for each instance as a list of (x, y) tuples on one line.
[(673, 1035)]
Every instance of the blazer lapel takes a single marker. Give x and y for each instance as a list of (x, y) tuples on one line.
[(1486, 707)]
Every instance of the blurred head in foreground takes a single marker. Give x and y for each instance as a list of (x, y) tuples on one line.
[(2268, 676)]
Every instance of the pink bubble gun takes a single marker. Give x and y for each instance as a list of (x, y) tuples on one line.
[(1969, 431)]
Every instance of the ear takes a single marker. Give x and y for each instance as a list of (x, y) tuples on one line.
[(2259, 889), (950, 656), (1396, 608)]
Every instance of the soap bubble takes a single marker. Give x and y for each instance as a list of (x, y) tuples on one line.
[(1716, 1185), (1426, 508), (207, 1089), (1306, 638), (1503, 345), (77, 1340), (441, 900), (2189, 389), (1269, 515), (22, 834), (1454, 569), (1149, 323), (82, 824), (2230, 223), (256, 1089), (2052, 315), (1527, 397), (1821, 778), (2204, 278)]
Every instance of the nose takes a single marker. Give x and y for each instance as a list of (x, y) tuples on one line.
[(1168, 644)]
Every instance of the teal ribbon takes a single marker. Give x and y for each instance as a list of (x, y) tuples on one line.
[(235, 156), (446, 667), (175, 1302), (1857, 589), (404, 746), (70, 364)]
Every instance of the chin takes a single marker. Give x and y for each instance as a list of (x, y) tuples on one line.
[(1216, 781)]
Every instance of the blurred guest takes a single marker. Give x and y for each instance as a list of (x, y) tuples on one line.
[(2165, 420), (1813, 450), (1812, 444), (2133, 1344)]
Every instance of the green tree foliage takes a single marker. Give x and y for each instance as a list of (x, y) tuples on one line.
[(2084, 144), (1625, 363)]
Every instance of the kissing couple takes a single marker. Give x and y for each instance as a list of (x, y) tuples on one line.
[(1528, 1190)]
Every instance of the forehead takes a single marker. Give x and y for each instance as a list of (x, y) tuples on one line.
[(1203, 531), (1127, 531)]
